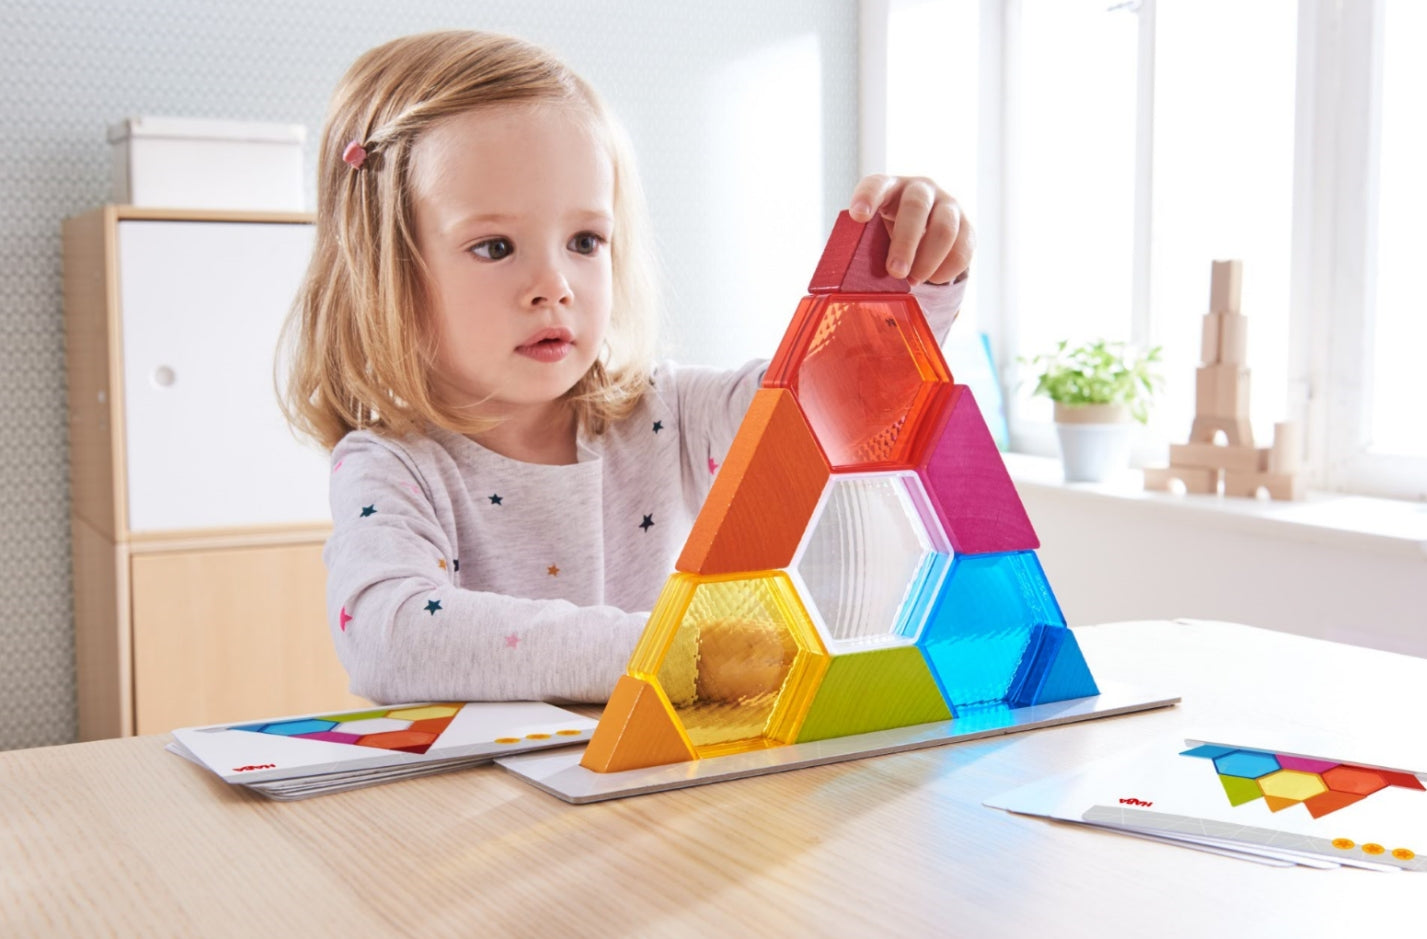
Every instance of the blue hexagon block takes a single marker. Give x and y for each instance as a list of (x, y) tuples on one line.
[(290, 728), (1248, 764), (981, 625)]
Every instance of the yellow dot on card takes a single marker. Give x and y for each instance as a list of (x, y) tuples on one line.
[(569, 733), (1343, 844), (1403, 854), (1373, 848), (507, 740), (537, 736)]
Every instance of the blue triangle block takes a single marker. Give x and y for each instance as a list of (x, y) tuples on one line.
[(1053, 669), (1208, 751)]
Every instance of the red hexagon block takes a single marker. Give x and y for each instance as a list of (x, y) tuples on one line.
[(865, 370)]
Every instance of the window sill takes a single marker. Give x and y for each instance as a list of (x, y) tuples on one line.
[(1347, 521)]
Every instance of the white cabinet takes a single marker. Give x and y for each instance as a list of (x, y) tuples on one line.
[(197, 517)]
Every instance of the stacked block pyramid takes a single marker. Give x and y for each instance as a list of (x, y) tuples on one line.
[(862, 561)]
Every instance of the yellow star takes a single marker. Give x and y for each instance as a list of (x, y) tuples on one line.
[(552, 570), (441, 564)]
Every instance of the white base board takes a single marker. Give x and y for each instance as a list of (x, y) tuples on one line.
[(560, 773)]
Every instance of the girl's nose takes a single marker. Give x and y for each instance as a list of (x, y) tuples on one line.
[(548, 286)]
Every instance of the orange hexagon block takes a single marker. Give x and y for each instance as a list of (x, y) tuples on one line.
[(764, 495)]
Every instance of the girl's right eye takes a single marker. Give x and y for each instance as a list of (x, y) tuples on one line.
[(493, 249)]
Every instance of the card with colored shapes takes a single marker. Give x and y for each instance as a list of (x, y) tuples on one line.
[(1329, 802), (316, 752)]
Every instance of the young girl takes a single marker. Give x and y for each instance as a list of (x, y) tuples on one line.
[(512, 476)]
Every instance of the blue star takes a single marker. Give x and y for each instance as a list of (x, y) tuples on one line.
[(658, 426), (495, 500), (369, 510), (648, 522), (433, 606)]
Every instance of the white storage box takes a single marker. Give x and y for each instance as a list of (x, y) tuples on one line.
[(172, 162)]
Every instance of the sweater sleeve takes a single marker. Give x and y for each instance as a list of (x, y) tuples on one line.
[(406, 632), (940, 304)]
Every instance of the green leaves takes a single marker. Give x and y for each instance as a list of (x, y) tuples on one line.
[(1099, 372)]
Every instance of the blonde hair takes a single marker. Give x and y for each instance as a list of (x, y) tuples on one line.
[(361, 346)]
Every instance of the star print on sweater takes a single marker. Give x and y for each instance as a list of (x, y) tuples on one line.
[(368, 510), (432, 606), (512, 641), (343, 619), (658, 426), (648, 522), (553, 571), (495, 500)]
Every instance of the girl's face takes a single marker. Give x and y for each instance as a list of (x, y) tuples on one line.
[(514, 211)]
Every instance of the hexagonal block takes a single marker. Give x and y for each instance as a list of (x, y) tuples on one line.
[(869, 566), (424, 712), (764, 494), (298, 727), (866, 371), (980, 626), (875, 690), (1355, 779), (736, 657), (967, 481), (1250, 764), (371, 725), (1292, 784)]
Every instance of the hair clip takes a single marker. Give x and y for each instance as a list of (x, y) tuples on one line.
[(354, 155)]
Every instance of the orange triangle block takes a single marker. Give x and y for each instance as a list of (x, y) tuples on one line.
[(1278, 804), (1325, 803), (855, 260), (641, 733), (764, 494)]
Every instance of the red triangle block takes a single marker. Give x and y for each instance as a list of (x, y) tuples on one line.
[(855, 259)]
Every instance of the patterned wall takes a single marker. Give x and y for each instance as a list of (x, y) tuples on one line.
[(687, 79)]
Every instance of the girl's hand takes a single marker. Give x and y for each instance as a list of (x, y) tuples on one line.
[(932, 241)]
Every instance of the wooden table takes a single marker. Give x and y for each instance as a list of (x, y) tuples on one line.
[(119, 837)]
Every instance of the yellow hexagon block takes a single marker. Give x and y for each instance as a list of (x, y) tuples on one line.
[(1294, 785), (425, 713), (736, 656)]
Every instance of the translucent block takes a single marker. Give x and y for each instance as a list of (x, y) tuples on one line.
[(736, 656), (877, 690), (981, 624), (870, 562), (866, 370)]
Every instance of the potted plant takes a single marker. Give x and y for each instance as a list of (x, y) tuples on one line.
[(1097, 388)]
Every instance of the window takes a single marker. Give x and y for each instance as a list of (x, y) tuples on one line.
[(1109, 151)]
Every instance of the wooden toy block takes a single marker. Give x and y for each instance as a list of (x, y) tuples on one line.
[(1210, 456), (1285, 486), (639, 732), (968, 485), (1238, 431), (855, 259), (1233, 338), (1225, 285), (866, 691), (764, 494), (1209, 345), (1221, 391), (1286, 455), (1199, 480)]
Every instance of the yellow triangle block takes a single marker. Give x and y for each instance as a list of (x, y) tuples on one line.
[(635, 731)]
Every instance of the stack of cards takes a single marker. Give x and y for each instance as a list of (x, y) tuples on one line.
[(296, 757), (1275, 802)]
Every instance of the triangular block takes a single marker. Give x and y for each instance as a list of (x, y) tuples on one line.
[(873, 690), (1240, 790), (968, 485), (1053, 669), (764, 495), (855, 259), (1405, 780), (642, 732), (1278, 804), (1326, 803)]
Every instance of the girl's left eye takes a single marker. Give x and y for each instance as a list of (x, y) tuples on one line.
[(586, 242)]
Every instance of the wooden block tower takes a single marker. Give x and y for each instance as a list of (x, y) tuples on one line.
[(1221, 440)]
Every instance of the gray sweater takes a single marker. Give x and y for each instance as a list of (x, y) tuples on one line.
[(455, 573)]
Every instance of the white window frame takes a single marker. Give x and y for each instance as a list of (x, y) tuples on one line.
[(1334, 223)]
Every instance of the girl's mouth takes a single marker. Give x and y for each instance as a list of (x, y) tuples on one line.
[(548, 345)]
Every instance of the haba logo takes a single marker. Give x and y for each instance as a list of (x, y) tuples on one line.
[(1136, 802), (244, 769)]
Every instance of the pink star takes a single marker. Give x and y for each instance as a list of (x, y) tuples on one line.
[(512, 641), (343, 619), (713, 467), (411, 487), (338, 466)]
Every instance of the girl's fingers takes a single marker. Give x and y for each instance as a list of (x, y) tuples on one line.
[(910, 214), (869, 195)]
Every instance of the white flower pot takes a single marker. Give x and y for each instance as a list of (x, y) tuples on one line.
[(1094, 441)]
